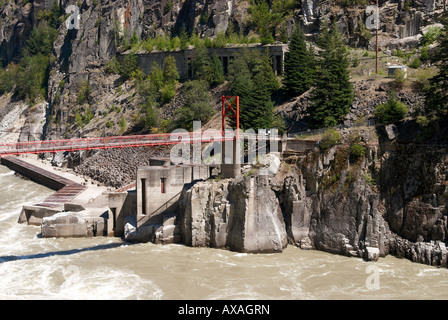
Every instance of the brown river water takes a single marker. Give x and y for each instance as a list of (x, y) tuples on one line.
[(32, 267)]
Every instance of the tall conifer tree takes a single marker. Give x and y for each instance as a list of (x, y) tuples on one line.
[(253, 80), (436, 97), (332, 96), (298, 65)]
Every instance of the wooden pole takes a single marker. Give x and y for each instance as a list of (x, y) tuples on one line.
[(377, 27)]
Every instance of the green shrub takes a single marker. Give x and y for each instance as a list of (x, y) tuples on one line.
[(7, 78), (415, 63), (167, 92), (198, 104), (84, 92), (399, 79), (32, 77), (391, 112), (123, 124), (432, 35), (330, 138), (128, 66), (357, 151), (113, 66), (168, 7), (424, 54)]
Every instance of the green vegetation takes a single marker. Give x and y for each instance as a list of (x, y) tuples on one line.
[(128, 66), (399, 79), (332, 96), (198, 104), (82, 119), (299, 65), (251, 77), (156, 89), (29, 78), (123, 124), (216, 71), (351, 3), (8, 78), (183, 41), (415, 63), (267, 17), (168, 7), (84, 92), (436, 97), (392, 111), (330, 138), (357, 151), (41, 40), (207, 68), (432, 35)]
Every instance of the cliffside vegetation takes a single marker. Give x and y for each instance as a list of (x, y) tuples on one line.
[(28, 79), (65, 68)]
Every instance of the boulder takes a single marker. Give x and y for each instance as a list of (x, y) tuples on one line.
[(371, 254), (243, 215)]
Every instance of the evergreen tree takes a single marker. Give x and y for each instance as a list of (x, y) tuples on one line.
[(298, 65), (262, 19), (215, 71), (41, 40), (259, 113), (183, 38), (128, 66), (252, 79), (332, 96), (436, 93), (201, 63), (170, 73), (264, 66), (156, 77), (198, 104), (240, 84)]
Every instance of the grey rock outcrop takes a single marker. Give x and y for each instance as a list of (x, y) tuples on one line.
[(243, 215)]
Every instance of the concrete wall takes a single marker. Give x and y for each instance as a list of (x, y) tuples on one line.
[(300, 145), (122, 205), (158, 188), (183, 57)]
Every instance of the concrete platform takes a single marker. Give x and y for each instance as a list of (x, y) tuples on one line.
[(74, 210)]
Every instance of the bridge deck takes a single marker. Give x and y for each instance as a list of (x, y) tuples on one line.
[(70, 145)]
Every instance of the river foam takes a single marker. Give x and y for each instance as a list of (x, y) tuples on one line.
[(32, 267)]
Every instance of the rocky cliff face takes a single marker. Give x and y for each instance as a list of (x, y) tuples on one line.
[(80, 56), (242, 214), (392, 200)]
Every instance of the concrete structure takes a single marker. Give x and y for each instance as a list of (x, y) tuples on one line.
[(226, 55), (75, 210), (159, 188)]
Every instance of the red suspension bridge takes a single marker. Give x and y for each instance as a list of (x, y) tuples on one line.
[(230, 108), (70, 145)]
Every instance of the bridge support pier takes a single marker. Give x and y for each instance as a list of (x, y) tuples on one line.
[(231, 159)]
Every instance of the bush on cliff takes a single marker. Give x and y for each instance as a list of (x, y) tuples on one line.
[(330, 138), (357, 152), (391, 112)]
